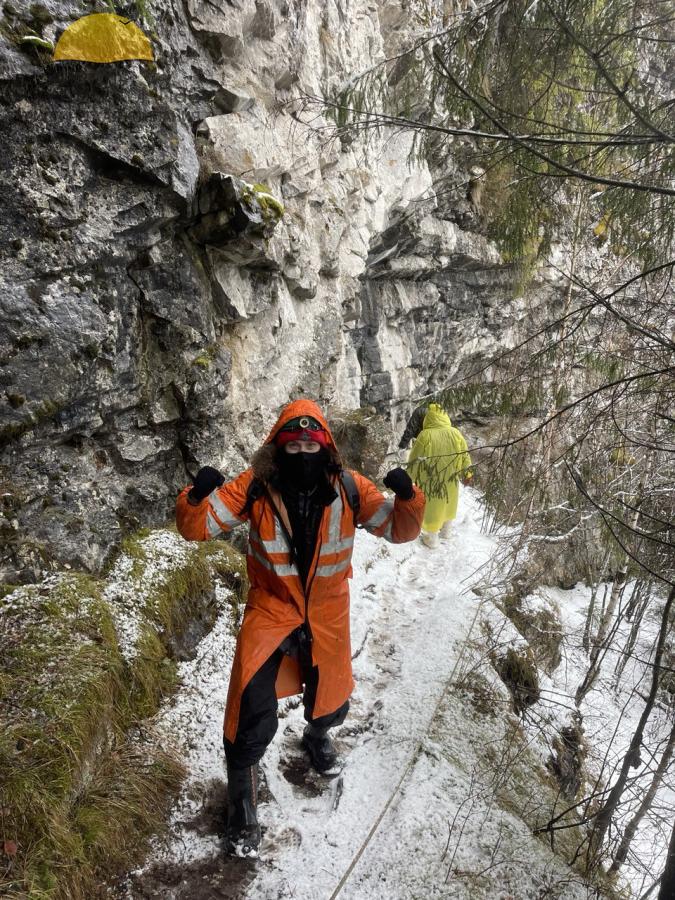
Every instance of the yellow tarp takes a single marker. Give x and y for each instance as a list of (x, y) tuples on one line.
[(103, 38)]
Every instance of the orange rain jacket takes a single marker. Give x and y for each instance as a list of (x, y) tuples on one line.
[(277, 601)]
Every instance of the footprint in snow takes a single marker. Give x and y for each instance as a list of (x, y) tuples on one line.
[(275, 840), (295, 766)]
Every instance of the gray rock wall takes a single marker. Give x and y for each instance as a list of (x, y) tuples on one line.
[(153, 322)]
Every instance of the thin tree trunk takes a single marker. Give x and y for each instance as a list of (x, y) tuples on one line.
[(632, 757), (644, 807), (617, 592), (590, 613), (609, 614), (627, 651), (667, 891), (602, 639)]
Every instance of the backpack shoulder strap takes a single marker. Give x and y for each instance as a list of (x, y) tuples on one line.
[(352, 492), (255, 489)]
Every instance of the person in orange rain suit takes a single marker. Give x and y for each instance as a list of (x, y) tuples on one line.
[(295, 629)]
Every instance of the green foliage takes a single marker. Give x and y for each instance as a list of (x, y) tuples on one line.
[(609, 367), (493, 398), (135, 9), (576, 109)]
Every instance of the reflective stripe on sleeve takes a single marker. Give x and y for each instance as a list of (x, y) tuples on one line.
[(212, 525), (222, 511), (379, 517)]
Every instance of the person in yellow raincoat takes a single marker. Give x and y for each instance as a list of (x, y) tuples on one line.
[(438, 461)]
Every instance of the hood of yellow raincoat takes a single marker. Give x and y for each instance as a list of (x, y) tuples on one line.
[(436, 418)]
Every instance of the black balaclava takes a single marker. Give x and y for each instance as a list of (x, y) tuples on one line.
[(303, 470)]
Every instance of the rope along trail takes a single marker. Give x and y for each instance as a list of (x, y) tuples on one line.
[(409, 765)]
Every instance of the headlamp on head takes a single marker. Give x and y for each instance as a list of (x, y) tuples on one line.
[(302, 428), (302, 423)]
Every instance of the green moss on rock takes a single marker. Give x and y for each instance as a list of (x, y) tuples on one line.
[(81, 789), (260, 195), (205, 357), (32, 40), (38, 413), (62, 676)]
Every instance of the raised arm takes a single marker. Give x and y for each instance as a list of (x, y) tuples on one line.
[(413, 428), (397, 520), (206, 509)]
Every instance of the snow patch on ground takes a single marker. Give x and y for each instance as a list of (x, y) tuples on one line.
[(610, 714), (163, 552)]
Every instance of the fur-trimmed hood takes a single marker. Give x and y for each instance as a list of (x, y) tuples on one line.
[(264, 463)]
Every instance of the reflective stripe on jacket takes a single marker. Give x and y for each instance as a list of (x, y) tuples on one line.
[(277, 602)]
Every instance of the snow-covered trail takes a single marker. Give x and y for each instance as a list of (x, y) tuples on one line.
[(411, 608), (410, 613), (412, 750)]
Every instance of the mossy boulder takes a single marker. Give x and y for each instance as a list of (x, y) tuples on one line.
[(538, 620), (64, 704), (82, 663), (229, 208)]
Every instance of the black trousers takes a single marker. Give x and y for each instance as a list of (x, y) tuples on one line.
[(258, 712)]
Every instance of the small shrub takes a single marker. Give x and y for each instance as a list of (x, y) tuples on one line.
[(541, 628), (519, 673)]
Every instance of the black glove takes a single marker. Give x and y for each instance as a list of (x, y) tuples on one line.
[(400, 483), (207, 480)]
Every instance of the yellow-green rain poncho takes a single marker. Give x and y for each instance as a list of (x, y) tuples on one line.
[(449, 463)]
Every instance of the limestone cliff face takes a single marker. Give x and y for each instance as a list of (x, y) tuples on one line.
[(157, 309)]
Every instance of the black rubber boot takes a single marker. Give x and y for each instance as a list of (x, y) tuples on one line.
[(243, 831), (320, 748)]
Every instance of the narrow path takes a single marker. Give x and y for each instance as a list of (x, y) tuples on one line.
[(410, 614), (411, 651), (442, 784)]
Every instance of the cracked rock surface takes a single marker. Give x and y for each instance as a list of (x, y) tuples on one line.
[(181, 253)]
